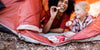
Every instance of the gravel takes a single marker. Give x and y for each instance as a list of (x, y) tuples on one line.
[(12, 42)]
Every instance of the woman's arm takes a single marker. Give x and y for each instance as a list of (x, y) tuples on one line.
[(49, 23), (57, 30)]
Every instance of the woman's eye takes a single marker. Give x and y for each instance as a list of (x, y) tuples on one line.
[(66, 2), (61, 0)]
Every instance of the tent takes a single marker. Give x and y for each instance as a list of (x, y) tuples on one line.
[(23, 17)]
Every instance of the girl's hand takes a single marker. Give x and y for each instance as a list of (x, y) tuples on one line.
[(69, 23), (53, 11)]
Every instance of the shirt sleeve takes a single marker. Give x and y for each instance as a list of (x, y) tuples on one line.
[(64, 20), (47, 17), (89, 19)]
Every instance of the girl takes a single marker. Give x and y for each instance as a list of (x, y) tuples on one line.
[(81, 20)]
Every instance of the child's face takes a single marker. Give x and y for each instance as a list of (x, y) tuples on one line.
[(80, 12), (64, 4)]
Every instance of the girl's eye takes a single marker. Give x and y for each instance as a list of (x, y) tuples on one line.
[(77, 9)]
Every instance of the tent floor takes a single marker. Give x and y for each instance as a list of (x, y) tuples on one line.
[(12, 42)]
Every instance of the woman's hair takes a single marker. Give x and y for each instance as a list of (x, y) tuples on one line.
[(70, 8)]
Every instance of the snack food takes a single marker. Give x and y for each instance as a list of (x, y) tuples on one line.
[(68, 23), (60, 7), (57, 38)]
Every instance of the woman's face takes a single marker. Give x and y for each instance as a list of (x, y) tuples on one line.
[(63, 4)]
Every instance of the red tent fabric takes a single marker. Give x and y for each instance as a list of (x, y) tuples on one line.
[(89, 1), (22, 17)]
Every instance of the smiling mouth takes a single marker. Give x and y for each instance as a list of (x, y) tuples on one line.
[(60, 8)]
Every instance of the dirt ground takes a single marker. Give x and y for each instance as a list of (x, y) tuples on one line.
[(12, 42)]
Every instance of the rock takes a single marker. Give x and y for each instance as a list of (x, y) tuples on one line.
[(11, 42), (2, 46)]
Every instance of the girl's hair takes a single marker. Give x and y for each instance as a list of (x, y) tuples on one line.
[(83, 4), (70, 8)]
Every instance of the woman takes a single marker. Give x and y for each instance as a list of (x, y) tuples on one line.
[(57, 16)]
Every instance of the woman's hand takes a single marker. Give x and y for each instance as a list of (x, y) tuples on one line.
[(53, 12)]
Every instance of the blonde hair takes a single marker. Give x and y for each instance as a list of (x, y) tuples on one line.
[(84, 5)]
